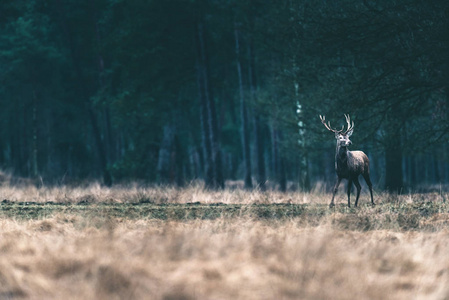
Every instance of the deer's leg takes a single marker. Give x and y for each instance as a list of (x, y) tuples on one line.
[(335, 191), (349, 192), (370, 186), (359, 188)]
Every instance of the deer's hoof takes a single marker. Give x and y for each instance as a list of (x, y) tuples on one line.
[(332, 205)]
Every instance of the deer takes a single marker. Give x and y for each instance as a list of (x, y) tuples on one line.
[(349, 164)]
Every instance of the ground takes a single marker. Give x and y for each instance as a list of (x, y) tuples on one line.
[(164, 243)]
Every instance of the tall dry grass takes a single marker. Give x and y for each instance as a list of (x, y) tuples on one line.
[(102, 257), (131, 193), (156, 194)]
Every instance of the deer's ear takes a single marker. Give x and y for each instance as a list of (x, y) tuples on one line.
[(349, 133)]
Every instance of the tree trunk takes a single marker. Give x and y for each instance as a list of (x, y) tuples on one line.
[(34, 169), (206, 143), (304, 179), (214, 171), (258, 135), (165, 152), (282, 178), (179, 165), (107, 178), (274, 153), (15, 137), (243, 117), (24, 146), (109, 140), (259, 144), (278, 161), (413, 172), (393, 165), (195, 169), (103, 145)]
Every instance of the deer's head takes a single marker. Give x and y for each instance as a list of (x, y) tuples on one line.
[(342, 135)]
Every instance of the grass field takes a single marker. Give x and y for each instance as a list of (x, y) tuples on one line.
[(165, 243)]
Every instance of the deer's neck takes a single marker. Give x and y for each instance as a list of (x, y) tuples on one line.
[(341, 156)]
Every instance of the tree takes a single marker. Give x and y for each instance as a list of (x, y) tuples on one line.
[(243, 115), (153, 90)]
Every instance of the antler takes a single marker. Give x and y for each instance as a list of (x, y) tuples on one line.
[(328, 125), (348, 121)]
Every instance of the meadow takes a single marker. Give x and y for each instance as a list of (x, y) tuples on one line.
[(152, 242)]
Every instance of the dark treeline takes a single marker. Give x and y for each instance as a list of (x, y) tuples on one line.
[(177, 90)]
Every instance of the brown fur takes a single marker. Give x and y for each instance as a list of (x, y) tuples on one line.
[(359, 161)]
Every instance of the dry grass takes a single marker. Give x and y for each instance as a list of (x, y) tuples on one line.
[(154, 194), (67, 256), (192, 193)]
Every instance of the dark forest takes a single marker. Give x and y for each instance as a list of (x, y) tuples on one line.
[(173, 91)]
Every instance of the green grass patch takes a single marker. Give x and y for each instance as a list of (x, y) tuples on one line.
[(394, 216)]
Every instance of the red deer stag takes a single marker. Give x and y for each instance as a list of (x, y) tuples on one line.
[(349, 164)]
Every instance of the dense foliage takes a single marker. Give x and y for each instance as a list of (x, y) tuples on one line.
[(171, 91)]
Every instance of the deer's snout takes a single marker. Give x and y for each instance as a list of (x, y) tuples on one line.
[(345, 143)]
